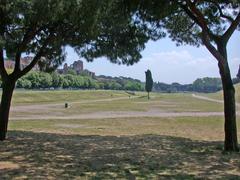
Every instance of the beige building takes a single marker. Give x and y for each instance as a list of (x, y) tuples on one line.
[(24, 62), (77, 66)]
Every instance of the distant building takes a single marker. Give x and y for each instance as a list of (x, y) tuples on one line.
[(24, 62), (77, 67)]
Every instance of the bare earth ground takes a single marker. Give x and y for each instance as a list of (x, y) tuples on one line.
[(118, 138)]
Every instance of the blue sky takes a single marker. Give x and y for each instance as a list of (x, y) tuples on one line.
[(167, 62)]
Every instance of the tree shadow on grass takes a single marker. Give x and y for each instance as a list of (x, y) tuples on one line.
[(50, 156)]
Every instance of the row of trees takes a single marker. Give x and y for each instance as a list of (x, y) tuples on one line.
[(42, 80), (204, 85)]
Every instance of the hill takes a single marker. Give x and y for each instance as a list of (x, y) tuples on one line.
[(219, 95)]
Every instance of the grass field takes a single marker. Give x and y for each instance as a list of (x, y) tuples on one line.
[(52, 103), (114, 135)]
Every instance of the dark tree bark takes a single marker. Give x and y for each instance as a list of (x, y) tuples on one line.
[(230, 126), (7, 92)]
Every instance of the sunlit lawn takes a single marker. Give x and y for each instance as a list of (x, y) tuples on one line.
[(96, 101)]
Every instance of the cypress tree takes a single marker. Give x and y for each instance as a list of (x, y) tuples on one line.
[(149, 82)]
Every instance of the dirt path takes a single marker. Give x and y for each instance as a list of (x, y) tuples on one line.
[(47, 106), (210, 99), (107, 114), (206, 98), (121, 114)]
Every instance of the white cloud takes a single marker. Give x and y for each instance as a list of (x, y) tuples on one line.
[(183, 66), (180, 66)]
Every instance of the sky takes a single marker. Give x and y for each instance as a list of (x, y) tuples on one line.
[(167, 62)]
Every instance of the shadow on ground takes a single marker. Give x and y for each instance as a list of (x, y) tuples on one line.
[(50, 156)]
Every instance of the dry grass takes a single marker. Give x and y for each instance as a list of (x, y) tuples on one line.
[(196, 128), (54, 156), (114, 148)]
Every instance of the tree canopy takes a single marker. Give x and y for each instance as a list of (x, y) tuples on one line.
[(45, 27)]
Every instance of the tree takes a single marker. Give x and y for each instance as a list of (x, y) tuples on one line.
[(43, 28), (24, 83), (45, 80), (57, 80), (33, 77), (207, 84), (71, 71), (149, 82), (209, 23)]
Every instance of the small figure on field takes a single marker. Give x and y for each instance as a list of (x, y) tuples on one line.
[(66, 105)]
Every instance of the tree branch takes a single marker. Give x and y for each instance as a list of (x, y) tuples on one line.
[(221, 13), (17, 62), (212, 49), (3, 71), (28, 36), (32, 64), (197, 17), (36, 58), (226, 36)]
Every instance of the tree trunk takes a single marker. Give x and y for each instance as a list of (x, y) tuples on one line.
[(7, 91), (148, 96), (230, 127)]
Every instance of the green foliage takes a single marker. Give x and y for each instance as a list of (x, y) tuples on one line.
[(35, 80), (116, 86), (45, 80), (71, 71), (149, 81), (33, 77), (66, 83), (57, 80), (203, 85), (42, 80), (31, 81), (131, 86), (207, 85), (24, 83), (113, 25), (181, 22)]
